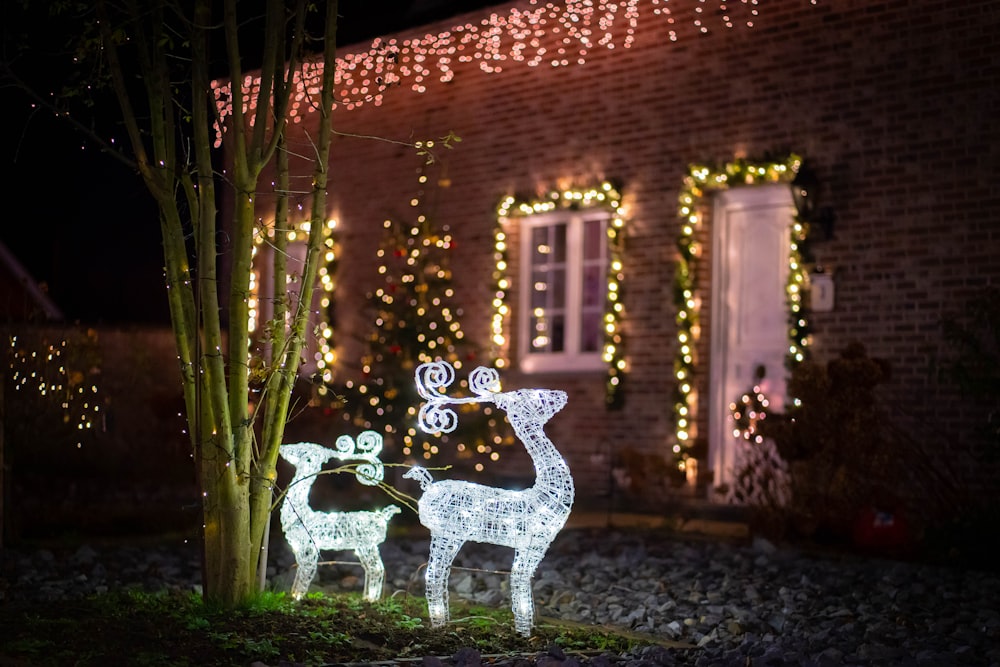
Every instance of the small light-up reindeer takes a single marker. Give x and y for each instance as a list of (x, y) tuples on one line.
[(309, 531), (457, 511)]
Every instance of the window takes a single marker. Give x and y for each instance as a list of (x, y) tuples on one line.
[(564, 291)]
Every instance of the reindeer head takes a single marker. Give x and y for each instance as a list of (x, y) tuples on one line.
[(387, 512), (306, 455), (310, 457), (537, 405)]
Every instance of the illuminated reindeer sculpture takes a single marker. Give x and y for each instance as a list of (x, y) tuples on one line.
[(309, 531), (457, 511)]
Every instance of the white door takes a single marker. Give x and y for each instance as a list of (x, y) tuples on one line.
[(749, 325)]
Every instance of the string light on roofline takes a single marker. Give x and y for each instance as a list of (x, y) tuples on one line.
[(550, 34)]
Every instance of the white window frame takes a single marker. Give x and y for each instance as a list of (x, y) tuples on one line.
[(571, 359)]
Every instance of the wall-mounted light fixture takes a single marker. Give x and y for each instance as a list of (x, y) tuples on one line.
[(805, 196)]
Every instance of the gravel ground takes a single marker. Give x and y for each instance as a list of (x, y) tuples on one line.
[(731, 604)]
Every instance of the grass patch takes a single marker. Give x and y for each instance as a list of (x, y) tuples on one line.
[(178, 629)]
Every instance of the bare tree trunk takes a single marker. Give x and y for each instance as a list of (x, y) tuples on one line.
[(281, 383), (173, 152)]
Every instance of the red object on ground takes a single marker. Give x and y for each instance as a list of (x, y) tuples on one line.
[(879, 529)]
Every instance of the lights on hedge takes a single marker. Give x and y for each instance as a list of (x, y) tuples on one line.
[(46, 371)]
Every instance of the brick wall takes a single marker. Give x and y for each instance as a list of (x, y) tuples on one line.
[(895, 104)]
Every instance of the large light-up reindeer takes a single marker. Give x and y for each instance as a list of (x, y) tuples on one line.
[(457, 511), (308, 531)]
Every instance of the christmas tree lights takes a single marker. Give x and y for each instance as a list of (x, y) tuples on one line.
[(762, 477), (414, 319)]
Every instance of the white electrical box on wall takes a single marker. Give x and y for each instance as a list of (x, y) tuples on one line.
[(821, 291)]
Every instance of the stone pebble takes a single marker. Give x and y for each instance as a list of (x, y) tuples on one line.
[(725, 603)]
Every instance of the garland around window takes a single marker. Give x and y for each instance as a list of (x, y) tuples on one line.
[(605, 195)]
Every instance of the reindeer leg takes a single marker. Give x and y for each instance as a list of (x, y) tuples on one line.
[(306, 559), (443, 550), (525, 561), (374, 571)]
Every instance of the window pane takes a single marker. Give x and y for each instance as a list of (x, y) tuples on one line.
[(539, 333), (557, 288), (565, 278), (541, 250), (540, 289), (595, 286), (593, 239), (591, 336), (559, 243), (548, 333), (557, 333)]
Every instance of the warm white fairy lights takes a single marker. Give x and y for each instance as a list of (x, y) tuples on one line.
[(325, 355), (457, 511), (764, 480), (42, 368), (550, 34), (308, 531), (511, 208), (748, 412), (700, 181)]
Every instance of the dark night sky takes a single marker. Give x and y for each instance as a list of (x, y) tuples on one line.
[(85, 226)]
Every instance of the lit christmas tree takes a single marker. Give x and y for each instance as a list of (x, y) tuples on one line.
[(415, 321)]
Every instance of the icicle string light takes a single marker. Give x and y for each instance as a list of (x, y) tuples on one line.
[(553, 34), (510, 208), (700, 181), (309, 531), (457, 511)]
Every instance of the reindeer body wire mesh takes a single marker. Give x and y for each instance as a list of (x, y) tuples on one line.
[(456, 511), (308, 531)]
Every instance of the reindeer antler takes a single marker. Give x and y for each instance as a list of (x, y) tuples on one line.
[(433, 378), (367, 448)]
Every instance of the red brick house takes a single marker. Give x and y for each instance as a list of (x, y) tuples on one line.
[(679, 127)]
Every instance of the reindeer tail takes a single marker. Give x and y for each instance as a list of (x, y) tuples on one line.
[(421, 475)]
